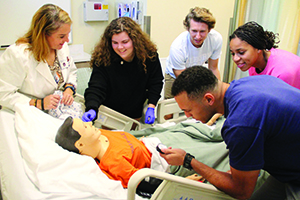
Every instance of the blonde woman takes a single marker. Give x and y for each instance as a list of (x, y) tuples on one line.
[(39, 63)]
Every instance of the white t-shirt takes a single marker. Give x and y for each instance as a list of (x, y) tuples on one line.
[(184, 54)]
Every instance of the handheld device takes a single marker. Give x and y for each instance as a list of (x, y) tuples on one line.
[(161, 146)]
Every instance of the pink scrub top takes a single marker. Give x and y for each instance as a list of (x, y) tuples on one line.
[(282, 64)]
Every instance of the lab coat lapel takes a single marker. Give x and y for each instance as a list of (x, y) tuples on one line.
[(44, 70), (64, 62)]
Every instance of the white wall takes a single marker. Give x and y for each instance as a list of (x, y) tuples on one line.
[(88, 33), (13, 26), (166, 22)]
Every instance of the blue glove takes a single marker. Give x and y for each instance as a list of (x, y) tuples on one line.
[(88, 116), (150, 117)]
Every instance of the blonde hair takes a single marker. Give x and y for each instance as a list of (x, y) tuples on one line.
[(199, 15), (45, 21), (103, 53)]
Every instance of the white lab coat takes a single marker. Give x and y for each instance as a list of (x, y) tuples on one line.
[(22, 77)]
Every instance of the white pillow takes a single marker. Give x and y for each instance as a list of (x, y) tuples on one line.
[(53, 169)]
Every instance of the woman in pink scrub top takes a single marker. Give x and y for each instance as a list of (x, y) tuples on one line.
[(255, 50)]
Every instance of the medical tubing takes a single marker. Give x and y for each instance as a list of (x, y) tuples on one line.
[(42, 104)]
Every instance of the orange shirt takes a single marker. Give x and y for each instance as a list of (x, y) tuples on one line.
[(124, 156)]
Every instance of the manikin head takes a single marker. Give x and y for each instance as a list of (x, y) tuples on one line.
[(79, 137)]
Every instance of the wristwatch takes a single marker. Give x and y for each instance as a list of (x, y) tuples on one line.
[(187, 161)]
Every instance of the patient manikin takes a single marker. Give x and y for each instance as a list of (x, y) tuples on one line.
[(91, 142), (118, 154)]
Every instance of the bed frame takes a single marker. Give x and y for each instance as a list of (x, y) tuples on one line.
[(169, 106), (117, 121), (175, 187), (15, 184), (109, 118)]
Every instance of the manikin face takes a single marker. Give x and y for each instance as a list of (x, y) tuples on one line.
[(89, 143), (243, 54), (198, 32), (123, 46), (57, 39), (192, 108)]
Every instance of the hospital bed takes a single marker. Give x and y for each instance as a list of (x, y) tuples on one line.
[(175, 187), (117, 121), (166, 107), (110, 118), (33, 166)]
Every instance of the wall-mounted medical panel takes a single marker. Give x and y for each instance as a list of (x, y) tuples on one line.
[(95, 11)]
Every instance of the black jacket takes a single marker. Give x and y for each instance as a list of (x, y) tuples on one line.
[(124, 86)]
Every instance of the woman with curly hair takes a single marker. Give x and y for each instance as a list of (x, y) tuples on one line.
[(126, 72), (254, 49)]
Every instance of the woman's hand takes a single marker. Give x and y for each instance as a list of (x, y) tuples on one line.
[(67, 97), (89, 115), (150, 115), (51, 101)]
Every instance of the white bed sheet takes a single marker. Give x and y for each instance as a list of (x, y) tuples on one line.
[(12, 173), (42, 169)]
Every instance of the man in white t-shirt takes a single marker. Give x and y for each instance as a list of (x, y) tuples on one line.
[(196, 46)]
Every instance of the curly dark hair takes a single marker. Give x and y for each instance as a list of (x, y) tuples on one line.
[(195, 81), (199, 15), (254, 34), (103, 53)]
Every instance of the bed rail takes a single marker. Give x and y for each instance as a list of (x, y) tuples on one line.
[(169, 106), (111, 119), (175, 187)]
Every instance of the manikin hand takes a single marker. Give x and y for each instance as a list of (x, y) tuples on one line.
[(89, 115), (150, 116), (196, 177)]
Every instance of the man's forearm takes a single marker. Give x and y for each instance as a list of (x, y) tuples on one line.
[(223, 181)]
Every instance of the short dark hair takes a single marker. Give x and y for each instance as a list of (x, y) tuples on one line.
[(66, 136), (195, 81), (255, 35)]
